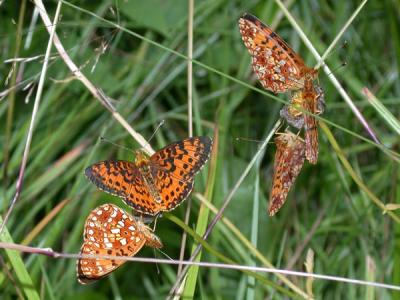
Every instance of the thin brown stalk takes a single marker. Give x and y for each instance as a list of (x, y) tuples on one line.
[(42, 224), (51, 253)]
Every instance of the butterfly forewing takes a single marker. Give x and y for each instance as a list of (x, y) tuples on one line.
[(114, 176), (289, 159), (185, 158), (123, 179), (276, 65), (175, 166), (111, 231)]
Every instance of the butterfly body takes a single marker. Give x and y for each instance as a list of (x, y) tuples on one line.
[(144, 166), (157, 183)]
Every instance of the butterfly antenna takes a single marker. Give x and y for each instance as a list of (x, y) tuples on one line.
[(255, 141), (163, 253), (103, 139), (155, 130), (321, 62), (155, 256), (343, 64), (247, 139), (155, 222)]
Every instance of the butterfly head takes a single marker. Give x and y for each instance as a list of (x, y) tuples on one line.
[(154, 241), (288, 138), (141, 158), (151, 239)]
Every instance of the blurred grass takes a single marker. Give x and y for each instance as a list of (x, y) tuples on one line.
[(149, 84)]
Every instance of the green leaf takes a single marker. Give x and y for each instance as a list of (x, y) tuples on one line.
[(24, 280)]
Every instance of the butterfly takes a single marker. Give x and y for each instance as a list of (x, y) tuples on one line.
[(289, 159), (109, 230), (157, 183), (280, 69)]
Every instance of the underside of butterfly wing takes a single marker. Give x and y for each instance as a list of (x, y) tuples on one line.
[(276, 65), (110, 231), (289, 159)]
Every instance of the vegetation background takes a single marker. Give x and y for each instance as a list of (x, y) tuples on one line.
[(327, 211)]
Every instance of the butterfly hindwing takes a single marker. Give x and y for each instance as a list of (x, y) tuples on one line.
[(289, 159), (109, 230), (183, 159), (310, 124)]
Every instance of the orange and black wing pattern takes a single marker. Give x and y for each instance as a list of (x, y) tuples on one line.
[(276, 65), (123, 179), (174, 167), (289, 159), (110, 231), (155, 184)]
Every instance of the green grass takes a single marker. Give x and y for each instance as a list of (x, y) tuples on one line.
[(143, 71)]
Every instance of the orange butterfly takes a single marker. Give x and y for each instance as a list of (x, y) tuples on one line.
[(279, 70), (289, 159), (157, 183), (109, 230)]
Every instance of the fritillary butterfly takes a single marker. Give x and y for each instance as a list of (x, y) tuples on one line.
[(280, 69), (289, 159), (276, 65), (157, 183), (109, 230)]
